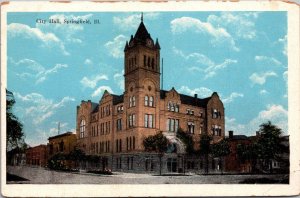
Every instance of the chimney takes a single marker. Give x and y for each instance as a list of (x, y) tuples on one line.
[(196, 96), (230, 134)]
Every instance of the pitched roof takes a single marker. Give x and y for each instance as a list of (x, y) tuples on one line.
[(142, 33), (189, 100), (117, 99)]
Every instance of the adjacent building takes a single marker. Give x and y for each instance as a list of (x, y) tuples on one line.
[(62, 143), (37, 156), (115, 127)]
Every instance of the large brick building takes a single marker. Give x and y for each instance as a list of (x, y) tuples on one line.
[(116, 126)]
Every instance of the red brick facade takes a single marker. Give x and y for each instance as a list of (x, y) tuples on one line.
[(118, 124), (37, 156)]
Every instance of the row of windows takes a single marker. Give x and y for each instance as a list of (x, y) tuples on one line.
[(149, 101), (95, 130), (216, 130), (131, 120), (190, 111), (149, 121), (120, 109), (132, 101), (105, 111), (131, 62), (149, 62), (101, 147), (173, 107), (130, 143), (215, 113), (105, 128), (172, 125)]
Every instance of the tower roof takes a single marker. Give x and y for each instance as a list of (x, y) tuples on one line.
[(142, 33), (142, 37)]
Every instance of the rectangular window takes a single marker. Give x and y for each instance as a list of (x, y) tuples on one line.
[(149, 121), (191, 127), (131, 120), (173, 125), (119, 124)]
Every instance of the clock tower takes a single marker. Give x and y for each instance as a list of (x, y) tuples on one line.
[(142, 84), (142, 59)]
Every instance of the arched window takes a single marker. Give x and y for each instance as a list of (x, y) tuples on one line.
[(82, 128), (146, 100), (151, 101)]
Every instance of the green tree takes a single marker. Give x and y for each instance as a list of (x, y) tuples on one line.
[(14, 128), (188, 141), (220, 150), (205, 149), (248, 152), (77, 155), (156, 143), (269, 143)]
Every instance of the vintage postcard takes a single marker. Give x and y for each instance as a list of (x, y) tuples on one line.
[(149, 99)]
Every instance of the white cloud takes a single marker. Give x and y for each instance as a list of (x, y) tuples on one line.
[(131, 22), (277, 114), (211, 69), (47, 39), (242, 25), (115, 47), (92, 82), (42, 76), (261, 77), (119, 79), (283, 41), (263, 92), (38, 108), (269, 60), (219, 35), (202, 91), (232, 96), (30, 64), (100, 90)]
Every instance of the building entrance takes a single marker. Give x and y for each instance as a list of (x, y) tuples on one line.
[(172, 164)]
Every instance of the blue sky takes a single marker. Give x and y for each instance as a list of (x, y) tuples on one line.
[(240, 55)]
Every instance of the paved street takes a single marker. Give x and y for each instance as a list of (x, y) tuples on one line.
[(43, 176)]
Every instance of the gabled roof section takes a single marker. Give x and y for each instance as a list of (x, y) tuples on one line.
[(117, 99)]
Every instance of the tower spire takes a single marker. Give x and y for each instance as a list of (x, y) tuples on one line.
[(142, 17)]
